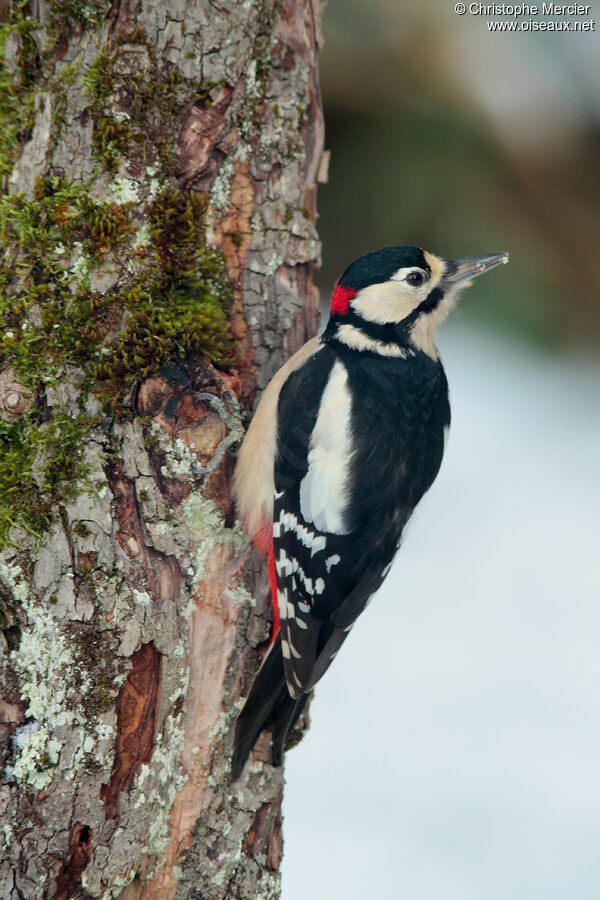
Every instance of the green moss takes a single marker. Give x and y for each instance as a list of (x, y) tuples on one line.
[(202, 94), (178, 305), (81, 529), (150, 97), (169, 331), (48, 316), (109, 225), (24, 25), (137, 36), (18, 91), (173, 298), (110, 138), (17, 112), (99, 79), (236, 236), (40, 463), (70, 14), (86, 566)]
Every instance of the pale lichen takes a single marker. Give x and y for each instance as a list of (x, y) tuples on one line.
[(241, 596), (8, 834), (180, 457), (141, 597), (220, 192), (14, 578), (55, 683), (165, 776), (34, 762), (142, 237), (205, 521), (125, 190)]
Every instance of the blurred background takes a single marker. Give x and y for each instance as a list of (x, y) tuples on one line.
[(447, 136), (454, 745)]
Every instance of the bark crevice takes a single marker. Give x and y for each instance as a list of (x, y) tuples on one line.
[(137, 712)]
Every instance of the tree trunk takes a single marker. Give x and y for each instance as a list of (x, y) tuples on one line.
[(160, 162)]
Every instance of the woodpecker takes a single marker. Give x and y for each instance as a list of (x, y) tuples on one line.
[(347, 437)]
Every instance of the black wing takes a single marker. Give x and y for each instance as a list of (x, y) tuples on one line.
[(326, 579)]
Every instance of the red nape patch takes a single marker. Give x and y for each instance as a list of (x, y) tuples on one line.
[(274, 601), (341, 298)]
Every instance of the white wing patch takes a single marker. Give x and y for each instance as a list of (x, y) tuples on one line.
[(323, 490)]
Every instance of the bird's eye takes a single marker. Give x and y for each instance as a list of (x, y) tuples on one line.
[(416, 279)]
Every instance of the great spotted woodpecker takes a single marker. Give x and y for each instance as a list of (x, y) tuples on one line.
[(346, 439)]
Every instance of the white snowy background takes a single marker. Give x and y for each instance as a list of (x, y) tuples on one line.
[(454, 750)]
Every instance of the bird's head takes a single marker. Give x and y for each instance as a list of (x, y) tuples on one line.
[(400, 295)]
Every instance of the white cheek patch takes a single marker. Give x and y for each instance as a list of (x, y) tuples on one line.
[(387, 302), (324, 488)]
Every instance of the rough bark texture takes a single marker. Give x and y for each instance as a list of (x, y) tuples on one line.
[(132, 627)]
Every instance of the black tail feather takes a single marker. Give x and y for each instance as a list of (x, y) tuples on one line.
[(283, 724), (268, 704)]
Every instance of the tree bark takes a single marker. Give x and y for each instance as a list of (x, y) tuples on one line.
[(142, 135)]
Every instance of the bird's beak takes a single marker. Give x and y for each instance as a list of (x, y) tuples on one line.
[(459, 270)]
